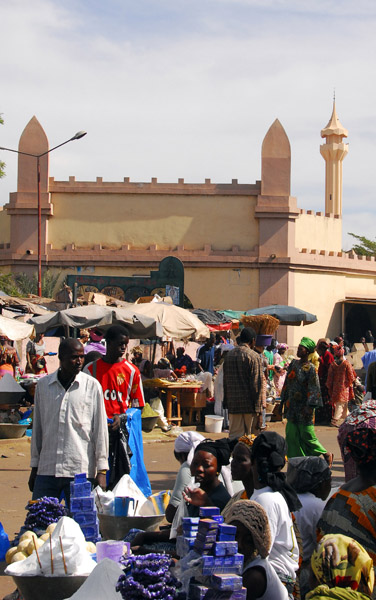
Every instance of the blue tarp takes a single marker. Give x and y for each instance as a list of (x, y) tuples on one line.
[(138, 471)]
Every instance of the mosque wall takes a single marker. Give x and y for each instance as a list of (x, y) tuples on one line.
[(314, 230), (153, 219), (222, 288), (319, 293)]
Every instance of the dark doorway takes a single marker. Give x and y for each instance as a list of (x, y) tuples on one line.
[(359, 317)]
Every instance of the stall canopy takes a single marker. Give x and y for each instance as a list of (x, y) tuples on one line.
[(15, 330), (232, 314), (140, 326), (177, 323), (215, 320), (287, 315)]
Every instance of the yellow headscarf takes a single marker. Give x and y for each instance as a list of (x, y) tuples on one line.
[(341, 562)]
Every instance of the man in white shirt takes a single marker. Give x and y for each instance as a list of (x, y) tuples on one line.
[(70, 432)]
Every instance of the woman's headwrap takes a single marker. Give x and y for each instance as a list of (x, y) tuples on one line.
[(254, 517), (247, 440), (137, 350), (306, 472), (306, 342), (187, 441), (221, 449), (342, 562), (361, 445), (338, 351), (269, 453), (96, 335), (282, 347)]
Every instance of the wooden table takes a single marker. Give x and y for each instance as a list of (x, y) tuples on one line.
[(172, 387)]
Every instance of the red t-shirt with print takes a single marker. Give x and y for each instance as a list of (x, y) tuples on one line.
[(121, 385)]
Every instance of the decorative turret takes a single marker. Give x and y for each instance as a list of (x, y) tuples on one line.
[(333, 152)]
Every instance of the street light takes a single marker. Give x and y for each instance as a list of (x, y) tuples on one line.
[(77, 136)]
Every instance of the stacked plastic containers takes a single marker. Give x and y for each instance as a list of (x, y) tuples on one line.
[(83, 509), (219, 574)]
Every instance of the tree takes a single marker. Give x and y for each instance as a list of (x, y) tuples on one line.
[(365, 247), (29, 285), (8, 285), (2, 164), (21, 284)]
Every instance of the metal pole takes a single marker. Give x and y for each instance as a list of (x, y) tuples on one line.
[(39, 234)]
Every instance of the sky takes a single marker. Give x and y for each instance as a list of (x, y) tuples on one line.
[(188, 89)]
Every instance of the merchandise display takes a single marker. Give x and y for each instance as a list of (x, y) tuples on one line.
[(148, 577), (210, 566), (83, 508)]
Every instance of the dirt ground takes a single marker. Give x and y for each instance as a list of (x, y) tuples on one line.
[(159, 460)]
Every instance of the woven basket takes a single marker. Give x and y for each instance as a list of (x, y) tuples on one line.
[(264, 324)]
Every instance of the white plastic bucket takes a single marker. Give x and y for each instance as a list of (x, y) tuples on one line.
[(213, 424)]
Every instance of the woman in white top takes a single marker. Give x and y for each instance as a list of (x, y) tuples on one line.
[(254, 541), (311, 477), (279, 500)]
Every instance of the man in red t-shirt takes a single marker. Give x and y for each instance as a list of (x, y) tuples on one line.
[(119, 378), (122, 389)]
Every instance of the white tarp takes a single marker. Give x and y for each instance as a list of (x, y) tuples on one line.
[(15, 330), (178, 323)]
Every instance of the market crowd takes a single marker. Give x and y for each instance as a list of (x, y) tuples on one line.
[(300, 538)]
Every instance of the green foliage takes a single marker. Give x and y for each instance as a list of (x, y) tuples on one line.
[(2, 164), (364, 247), (8, 285), (21, 284), (29, 285)]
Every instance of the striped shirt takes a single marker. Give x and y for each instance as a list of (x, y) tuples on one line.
[(121, 385), (70, 432)]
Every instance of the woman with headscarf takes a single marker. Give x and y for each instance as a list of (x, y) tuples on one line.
[(352, 508), (300, 396), (241, 470), (341, 569), (341, 376), (280, 364), (324, 414), (311, 478), (208, 459), (254, 541), (279, 500), (184, 444), (363, 417)]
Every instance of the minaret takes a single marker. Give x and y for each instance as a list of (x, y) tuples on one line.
[(333, 151)]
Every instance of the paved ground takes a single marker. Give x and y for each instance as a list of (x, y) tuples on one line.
[(159, 460)]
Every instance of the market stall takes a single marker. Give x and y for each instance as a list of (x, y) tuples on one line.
[(173, 388), (139, 325)]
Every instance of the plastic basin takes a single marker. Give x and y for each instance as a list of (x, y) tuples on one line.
[(48, 588), (116, 528), (12, 430)]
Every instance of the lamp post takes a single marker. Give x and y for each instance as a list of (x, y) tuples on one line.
[(77, 136)]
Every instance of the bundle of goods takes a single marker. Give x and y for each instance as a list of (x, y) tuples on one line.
[(262, 324), (83, 508), (62, 550), (210, 563), (148, 577), (43, 512)]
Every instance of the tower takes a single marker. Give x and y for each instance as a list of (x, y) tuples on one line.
[(333, 152)]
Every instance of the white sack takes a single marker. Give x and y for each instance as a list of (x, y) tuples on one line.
[(101, 582), (77, 559)]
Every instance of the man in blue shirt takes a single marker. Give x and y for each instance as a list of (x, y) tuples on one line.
[(205, 356), (368, 358)]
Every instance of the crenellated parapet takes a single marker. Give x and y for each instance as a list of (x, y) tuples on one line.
[(153, 187)]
